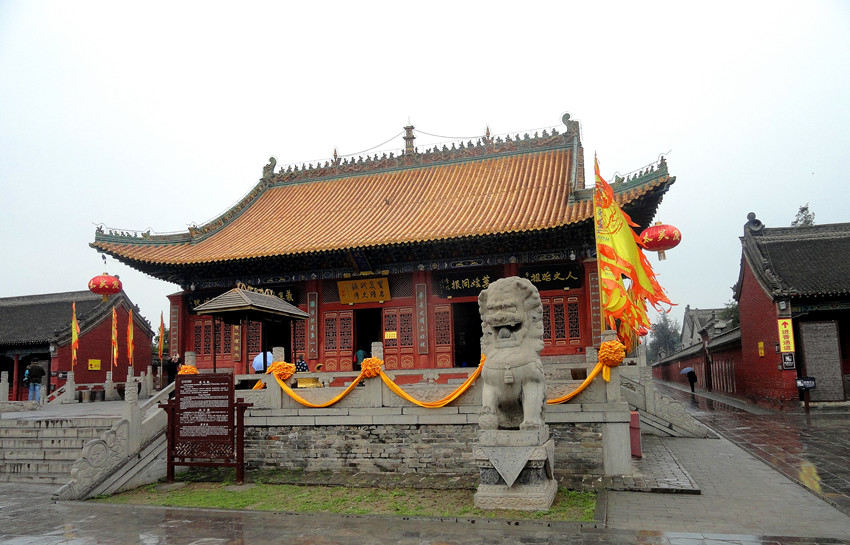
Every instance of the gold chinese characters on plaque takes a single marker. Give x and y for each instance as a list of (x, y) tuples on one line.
[(368, 290)]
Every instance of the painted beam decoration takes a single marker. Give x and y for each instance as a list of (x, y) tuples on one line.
[(366, 290)]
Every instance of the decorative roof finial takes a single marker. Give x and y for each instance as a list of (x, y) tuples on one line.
[(336, 156), (487, 134), (408, 140)]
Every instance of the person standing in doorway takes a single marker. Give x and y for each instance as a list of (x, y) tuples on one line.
[(36, 374)]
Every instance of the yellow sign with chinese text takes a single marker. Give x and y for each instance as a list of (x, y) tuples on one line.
[(367, 290), (94, 365), (786, 335)]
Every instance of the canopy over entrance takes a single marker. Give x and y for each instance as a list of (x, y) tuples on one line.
[(237, 305)]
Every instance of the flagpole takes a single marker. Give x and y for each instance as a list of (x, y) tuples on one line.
[(596, 244)]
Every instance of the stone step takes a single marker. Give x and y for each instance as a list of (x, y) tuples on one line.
[(57, 479), (51, 433), (57, 423), (11, 443), (15, 455), (37, 467)]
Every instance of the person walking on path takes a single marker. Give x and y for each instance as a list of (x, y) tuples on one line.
[(35, 374), (692, 379)]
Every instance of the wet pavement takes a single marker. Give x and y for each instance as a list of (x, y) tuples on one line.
[(27, 517), (812, 449), (749, 484)]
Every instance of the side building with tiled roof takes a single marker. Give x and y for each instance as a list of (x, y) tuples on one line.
[(38, 328), (793, 295), (395, 249)]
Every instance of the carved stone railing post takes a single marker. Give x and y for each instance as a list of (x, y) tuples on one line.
[(4, 385), (132, 414), (649, 390), (378, 350), (109, 392), (71, 389)]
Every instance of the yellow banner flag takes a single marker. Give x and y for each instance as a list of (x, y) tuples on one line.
[(75, 335), (114, 338), (619, 256), (130, 338)]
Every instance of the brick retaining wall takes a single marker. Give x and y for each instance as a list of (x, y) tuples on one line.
[(400, 448)]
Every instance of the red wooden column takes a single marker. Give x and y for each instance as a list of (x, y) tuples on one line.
[(16, 379)]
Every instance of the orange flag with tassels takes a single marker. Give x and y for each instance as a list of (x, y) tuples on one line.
[(75, 335), (619, 256), (130, 338), (114, 338)]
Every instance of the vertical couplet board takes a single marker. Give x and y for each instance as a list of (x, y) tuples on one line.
[(202, 427)]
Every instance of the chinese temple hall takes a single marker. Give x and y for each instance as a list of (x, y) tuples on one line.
[(395, 249)]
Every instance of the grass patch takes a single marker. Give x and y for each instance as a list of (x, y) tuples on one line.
[(569, 505)]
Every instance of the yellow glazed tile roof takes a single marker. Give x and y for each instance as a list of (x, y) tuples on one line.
[(497, 194)]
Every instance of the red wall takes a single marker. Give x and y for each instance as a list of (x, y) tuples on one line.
[(97, 344), (758, 377)]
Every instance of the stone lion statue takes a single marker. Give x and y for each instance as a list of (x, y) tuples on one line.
[(514, 393)]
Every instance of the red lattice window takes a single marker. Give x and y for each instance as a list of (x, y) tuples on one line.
[(255, 337), (574, 327), (224, 339), (196, 345), (391, 324), (405, 330), (346, 332), (561, 321), (207, 343), (443, 327), (299, 332), (330, 333)]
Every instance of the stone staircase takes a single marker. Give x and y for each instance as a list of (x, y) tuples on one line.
[(44, 451)]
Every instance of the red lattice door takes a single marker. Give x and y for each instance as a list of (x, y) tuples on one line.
[(561, 321), (339, 340), (399, 338), (443, 336)]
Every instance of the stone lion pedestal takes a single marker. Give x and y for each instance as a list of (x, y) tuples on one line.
[(516, 469), (514, 451)]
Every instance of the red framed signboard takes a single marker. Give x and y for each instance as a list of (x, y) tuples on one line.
[(205, 423)]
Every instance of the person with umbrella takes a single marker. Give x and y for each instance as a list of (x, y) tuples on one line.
[(259, 365), (692, 376)]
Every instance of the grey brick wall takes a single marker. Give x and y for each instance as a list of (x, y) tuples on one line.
[(405, 448)]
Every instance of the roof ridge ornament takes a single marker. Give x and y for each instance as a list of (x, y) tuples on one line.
[(753, 225)]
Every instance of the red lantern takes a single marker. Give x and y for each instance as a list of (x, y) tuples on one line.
[(105, 285), (660, 237)]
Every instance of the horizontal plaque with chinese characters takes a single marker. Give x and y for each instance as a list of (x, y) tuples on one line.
[(553, 277), (364, 290)]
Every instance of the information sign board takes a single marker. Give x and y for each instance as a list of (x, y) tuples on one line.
[(806, 383), (204, 408)]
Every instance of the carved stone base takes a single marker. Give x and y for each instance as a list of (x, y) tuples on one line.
[(521, 497), (516, 470)]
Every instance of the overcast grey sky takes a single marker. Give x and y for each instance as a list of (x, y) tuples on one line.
[(162, 114)]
